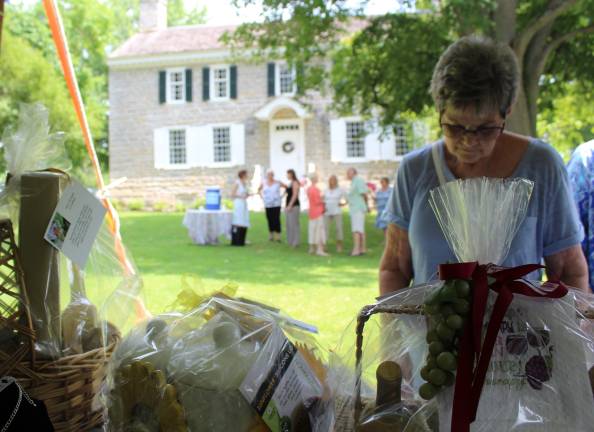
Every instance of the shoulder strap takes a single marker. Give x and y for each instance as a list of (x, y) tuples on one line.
[(437, 163)]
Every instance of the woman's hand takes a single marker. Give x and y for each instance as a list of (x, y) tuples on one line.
[(570, 267)]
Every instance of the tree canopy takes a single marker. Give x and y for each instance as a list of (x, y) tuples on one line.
[(31, 72), (384, 67)]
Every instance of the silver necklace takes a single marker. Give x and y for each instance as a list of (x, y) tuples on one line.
[(3, 384)]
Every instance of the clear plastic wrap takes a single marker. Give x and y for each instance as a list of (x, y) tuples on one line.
[(535, 372), (73, 310), (28, 147), (225, 366)]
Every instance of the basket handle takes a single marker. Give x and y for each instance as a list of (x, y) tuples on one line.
[(366, 313)]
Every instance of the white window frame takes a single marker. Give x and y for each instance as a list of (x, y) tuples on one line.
[(213, 95), (170, 99), (348, 159), (277, 80), (171, 165), (399, 157), (230, 161)]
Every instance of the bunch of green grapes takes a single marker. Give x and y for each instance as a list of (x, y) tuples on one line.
[(447, 309)]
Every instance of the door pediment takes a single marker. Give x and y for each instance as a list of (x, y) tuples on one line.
[(268, 111)]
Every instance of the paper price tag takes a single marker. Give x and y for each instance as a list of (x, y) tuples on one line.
[(75, 223)]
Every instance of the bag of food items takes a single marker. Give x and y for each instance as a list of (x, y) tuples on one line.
[(483, 348), (225, 366), (74, 308)]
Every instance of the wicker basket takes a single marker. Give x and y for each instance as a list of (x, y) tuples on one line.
[(366, 313), (69, 385)]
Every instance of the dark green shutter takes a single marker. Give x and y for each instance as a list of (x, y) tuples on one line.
[(205, 83), (162, 85), (271, 79), (299, 75), (233, 78), (188, 85)]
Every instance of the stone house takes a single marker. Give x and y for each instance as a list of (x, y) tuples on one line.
[(184, 117)]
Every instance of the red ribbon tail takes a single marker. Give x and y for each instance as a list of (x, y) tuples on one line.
[(504, 299), (480, 294), (510, 274)]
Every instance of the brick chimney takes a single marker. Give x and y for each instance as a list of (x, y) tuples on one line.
[(153, 15)]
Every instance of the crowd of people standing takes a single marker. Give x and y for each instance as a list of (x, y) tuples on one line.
[(324, 213)]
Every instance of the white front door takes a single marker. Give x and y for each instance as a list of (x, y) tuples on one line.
[(287, 147)]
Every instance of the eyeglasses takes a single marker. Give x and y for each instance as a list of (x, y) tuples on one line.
[(483, 133)]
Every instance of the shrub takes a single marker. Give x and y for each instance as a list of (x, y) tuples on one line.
[(161, 206), (200, 202), (227, 204), (119, 205), (180, 207), (136, 204)]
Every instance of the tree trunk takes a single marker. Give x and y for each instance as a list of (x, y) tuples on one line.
[(505, 31), (505, 21), (519, 119)]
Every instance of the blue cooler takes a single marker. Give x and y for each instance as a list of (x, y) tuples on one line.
[(213, 198)]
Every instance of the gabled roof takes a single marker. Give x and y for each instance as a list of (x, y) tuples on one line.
[(185, 39), (174, 40)]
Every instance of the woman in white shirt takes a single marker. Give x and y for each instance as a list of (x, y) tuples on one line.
[(270, 191), (334, 199), (241, 214)]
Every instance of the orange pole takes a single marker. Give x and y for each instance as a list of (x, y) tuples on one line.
[(57, 29)]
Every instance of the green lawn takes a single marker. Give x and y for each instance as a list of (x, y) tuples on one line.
[(326, 292)]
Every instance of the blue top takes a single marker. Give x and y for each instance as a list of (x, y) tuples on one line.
[(581, 176), (381, 200), (551, 224)]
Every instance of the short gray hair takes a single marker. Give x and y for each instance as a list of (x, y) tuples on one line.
[(476, 72)]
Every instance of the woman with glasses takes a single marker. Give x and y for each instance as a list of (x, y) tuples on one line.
[(474, 88)]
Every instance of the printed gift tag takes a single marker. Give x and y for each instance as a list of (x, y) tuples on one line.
[(280, 386), (75, 223)]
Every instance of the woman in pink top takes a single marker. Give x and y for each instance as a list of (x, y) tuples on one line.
[(317, 233)]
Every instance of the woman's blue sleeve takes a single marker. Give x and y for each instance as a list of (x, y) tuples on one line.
[(399, 207), (563, 227)]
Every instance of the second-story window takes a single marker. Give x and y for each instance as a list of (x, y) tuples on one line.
[(220, 82), (175, 86), (285, 79)]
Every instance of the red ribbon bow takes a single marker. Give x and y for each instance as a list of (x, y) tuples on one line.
[(475, 357)]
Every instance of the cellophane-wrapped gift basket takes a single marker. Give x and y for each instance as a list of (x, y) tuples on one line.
[(483, 348), (226, 365), (59, 323)]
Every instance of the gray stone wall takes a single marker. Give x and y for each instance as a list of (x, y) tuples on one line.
[(135, 112)]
